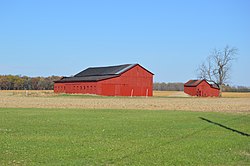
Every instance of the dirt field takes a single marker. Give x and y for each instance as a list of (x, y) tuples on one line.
[(170, 94), (173, 101), (236, 94), (182, 94)]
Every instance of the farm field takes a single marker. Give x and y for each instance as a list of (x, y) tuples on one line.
[(236, 94), (175, 101), (171, 128), (182, 94), (155, 93), (53, 136)]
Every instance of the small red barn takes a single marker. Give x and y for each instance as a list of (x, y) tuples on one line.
[(202, 88), (122, 80)]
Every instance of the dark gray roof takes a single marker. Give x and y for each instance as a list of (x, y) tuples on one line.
[(87, 78), (101, 71), (194, 83), (94, 74)]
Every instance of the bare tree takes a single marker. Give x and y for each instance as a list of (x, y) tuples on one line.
[(217, 66)]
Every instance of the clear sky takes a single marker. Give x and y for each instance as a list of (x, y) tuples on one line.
[(168, 37)]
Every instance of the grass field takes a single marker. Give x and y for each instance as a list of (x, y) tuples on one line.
[(122, 137), (43, 128)]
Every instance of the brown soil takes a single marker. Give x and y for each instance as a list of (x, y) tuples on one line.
[(150, 103)]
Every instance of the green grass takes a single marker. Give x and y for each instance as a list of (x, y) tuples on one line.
[(121, 137)]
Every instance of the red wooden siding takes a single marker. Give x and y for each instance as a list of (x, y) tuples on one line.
[(136, 81), (76, 87), (203, 89)]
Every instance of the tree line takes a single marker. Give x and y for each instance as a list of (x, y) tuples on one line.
[(162, 86), (17, 82)]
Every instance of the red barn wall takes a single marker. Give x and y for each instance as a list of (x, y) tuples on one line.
[(190, 90), (203, 89), (136, 82), (76, 87), (59, 88)]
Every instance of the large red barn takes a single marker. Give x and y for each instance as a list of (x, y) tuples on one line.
[(201, 88), (122, 80)]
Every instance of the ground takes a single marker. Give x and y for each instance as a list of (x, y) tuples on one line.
[(43, 128), (161, 101)]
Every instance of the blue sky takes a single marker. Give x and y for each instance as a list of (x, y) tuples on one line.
[(168, 37)]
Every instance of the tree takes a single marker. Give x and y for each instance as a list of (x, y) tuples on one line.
[(218, 65), (18, 83)]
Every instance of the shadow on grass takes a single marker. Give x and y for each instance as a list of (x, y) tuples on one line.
[(225, 127)]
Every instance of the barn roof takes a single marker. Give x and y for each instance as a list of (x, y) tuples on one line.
[(102, 71), (93, 74), (193, 83), (87, 78)]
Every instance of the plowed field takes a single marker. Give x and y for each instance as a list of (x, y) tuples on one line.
[(49, 100)]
